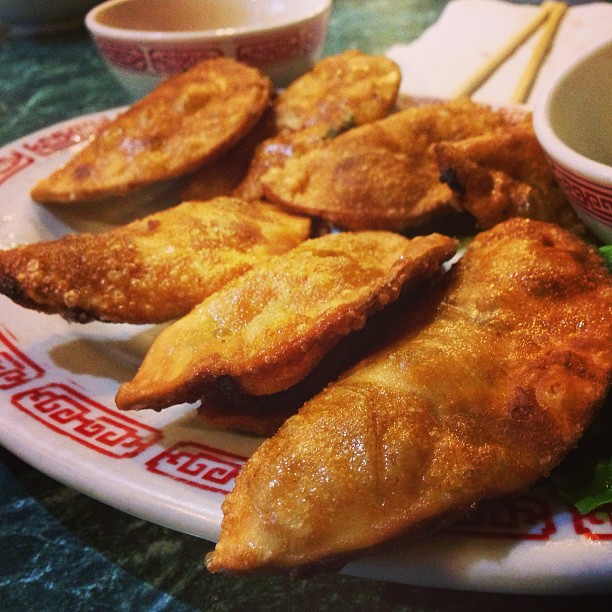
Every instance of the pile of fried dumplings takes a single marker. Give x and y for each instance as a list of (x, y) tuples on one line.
[(317, 288)]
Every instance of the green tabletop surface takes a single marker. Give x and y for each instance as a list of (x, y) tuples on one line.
[(62, 550)]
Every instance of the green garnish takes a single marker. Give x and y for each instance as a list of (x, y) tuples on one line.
[(606, 253), (584, 479), (346, 125)]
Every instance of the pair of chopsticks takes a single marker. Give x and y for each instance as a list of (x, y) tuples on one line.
[(549, 15)]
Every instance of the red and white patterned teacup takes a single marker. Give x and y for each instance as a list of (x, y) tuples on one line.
[(145, 41), (573, 122)]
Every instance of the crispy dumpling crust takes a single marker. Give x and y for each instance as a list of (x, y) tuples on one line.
[(341, 92), (352, 85), (505, 174), (224, 406), (481, 390), (153, 269), (187, 120), (271, 327), (382, 175)]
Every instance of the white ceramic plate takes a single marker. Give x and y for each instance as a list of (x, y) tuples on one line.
[(57, 387)]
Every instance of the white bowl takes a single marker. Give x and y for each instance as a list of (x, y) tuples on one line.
[(573, 122), (145, 41), (42, 16)]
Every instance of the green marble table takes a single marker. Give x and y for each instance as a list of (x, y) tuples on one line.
[(64, 551)]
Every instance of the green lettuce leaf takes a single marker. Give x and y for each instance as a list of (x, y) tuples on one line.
[(606, 253), (584, 479)]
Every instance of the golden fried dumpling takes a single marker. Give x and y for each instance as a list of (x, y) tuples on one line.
[(224, 406), (270, 328), (505, 174), (339, 93), (382, 175), (153, 269), (350, 87), (187, 120), (479, 391)]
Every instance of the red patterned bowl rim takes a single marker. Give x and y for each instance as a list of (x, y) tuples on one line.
[(320, 11), (267, 49), (590, 197), (595, 172)]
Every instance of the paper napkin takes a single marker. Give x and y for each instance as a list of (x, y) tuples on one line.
[(469, 31)]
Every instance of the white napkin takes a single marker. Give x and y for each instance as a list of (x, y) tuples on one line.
[(469, 31)]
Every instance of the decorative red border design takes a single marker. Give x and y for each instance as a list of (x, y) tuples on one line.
[(286, 45), (63, 138), (596, 525), (171, 61), (199, 466), (594, 199), (50, 143), (16, 369), (122, 55), (160, 60), (527, 517), (70, 413), (12, 164), (258, 50), (269, 49)]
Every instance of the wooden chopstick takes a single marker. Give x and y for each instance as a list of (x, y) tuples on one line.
[(497, 59), (556, 14)]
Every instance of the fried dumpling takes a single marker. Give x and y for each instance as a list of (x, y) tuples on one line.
[(270, 328), (224, 406), (153, 269), (478, 392), (382, 175), (505, 174), (188, 119), (350, 86), (341, 92)]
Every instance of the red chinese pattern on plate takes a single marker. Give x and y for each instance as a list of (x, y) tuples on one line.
[(70, 412), (16, 369), (198, 465), (596, 525), (13, 161)]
